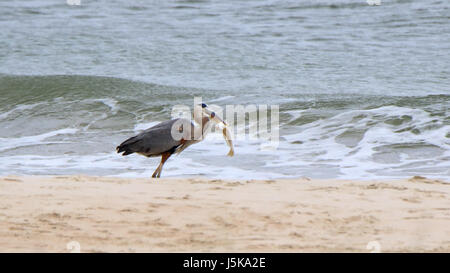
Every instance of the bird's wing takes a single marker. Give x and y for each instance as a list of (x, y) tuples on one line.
[(153, 141)]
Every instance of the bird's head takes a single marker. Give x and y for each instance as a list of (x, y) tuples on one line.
[(211, 114)]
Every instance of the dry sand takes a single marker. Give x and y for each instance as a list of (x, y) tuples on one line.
[(102, 214)]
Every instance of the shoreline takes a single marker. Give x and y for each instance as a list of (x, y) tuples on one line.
[(110, 214)]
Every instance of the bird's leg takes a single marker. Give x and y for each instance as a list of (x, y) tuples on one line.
[(158, 170), (164, 158), (155, 173)]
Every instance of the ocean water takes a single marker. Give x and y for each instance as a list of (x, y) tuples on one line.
[(363, 91)]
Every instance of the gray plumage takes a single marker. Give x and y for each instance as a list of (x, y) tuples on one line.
[(158, 140), (151, 142)]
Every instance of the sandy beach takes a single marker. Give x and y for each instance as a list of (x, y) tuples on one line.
[(102, 214)]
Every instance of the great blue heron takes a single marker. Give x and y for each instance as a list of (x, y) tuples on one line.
[(173, 136)]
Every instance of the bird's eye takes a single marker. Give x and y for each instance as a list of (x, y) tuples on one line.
[(213, 115), (204, 105)]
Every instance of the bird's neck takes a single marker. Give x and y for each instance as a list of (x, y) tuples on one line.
[(203, 127)]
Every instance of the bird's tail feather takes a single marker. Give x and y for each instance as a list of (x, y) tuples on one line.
[(126, 146), (123, 148)]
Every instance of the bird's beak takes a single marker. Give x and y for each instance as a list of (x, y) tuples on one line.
[(212, 115)]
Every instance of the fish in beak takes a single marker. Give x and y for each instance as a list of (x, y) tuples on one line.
[(212, 115), (226, 133)]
